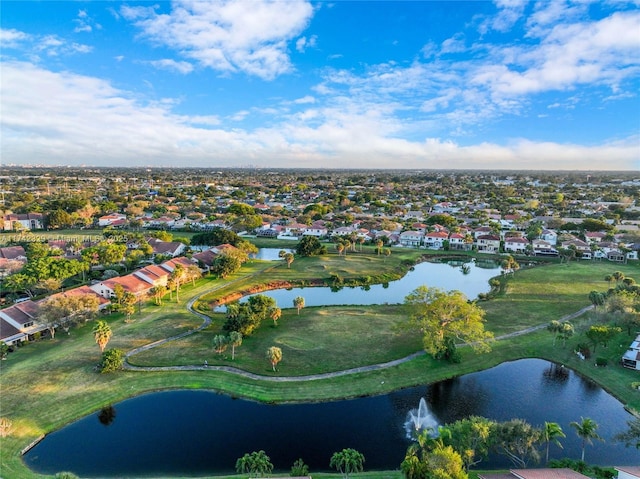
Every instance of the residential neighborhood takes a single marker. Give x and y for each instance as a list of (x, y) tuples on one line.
[(113, 243)]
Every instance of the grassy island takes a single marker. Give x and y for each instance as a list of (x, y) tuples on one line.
[(50, 383)]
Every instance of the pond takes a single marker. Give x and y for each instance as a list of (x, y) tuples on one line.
[(271, 254), (198, 432), (445, 276)]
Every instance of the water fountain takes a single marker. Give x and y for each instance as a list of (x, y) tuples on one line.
[(419, 420)]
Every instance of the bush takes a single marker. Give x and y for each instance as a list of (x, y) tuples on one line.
[(299, 469), (112, 360), (601, 361)]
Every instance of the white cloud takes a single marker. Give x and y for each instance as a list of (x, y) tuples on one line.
[(85, 23), (454, 44), (509, 12), (12, 38), (240, 115), (305, 99), (172, 65), (74, 119), (303, 43), (228, 36), (602, 52), (36, 45)]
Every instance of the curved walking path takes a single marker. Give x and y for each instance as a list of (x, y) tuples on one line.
[(259, 377)]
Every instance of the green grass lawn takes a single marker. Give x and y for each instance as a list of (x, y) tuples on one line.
[(48, 384), (318, 340)]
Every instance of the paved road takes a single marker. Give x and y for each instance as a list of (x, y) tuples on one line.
[(240, 372)]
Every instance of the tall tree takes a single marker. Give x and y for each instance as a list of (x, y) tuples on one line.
[(471, 437), (158, 292), (176, 278), (289, 257), (443, 318), (601, 334), (255, 464), (274, 355), (310, 246), (519, 441), (235, 340), (275, 313), (551, 433), (102, 334), (220, 343), (596, 298), (562, 330), (298, 303), (193, 273), (630, 437), (347, 461), (586, 429)]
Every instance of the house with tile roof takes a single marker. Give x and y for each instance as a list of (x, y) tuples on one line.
[(27, 221), (168, 248), (436, 239), (80, 290), (488, 243), (516, 244), (458, 241), (563, 473), (13, 253), (628, 472), (411, 238), (18, 323)]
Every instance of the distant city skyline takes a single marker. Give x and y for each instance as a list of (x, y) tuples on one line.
[(513, 85)]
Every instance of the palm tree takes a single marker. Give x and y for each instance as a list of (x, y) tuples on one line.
[(274, 355), (176, 277), (347, 461), (586, 429), (608, 278), (340, 248), (235, 340), (102, 334), (256, 463), (193, 273), (596, 298), (379, 245), (288, 257), (551, 433), (158, 292), (275, 313), (220, 343), (361, 240), (298, 303)]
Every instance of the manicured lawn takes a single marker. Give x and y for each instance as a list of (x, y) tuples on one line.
[(538, 295), (316, 341), (50, 383)]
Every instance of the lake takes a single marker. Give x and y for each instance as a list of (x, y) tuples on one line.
[(198, 432), (442, 275)]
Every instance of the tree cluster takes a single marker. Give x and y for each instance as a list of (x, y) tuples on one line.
[(246, 317)]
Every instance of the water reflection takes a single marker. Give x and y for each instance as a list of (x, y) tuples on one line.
[(439, 275), (555, 374), (214, 430), (107, 415)]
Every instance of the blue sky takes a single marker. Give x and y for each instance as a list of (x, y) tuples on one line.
[(361, 84)]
